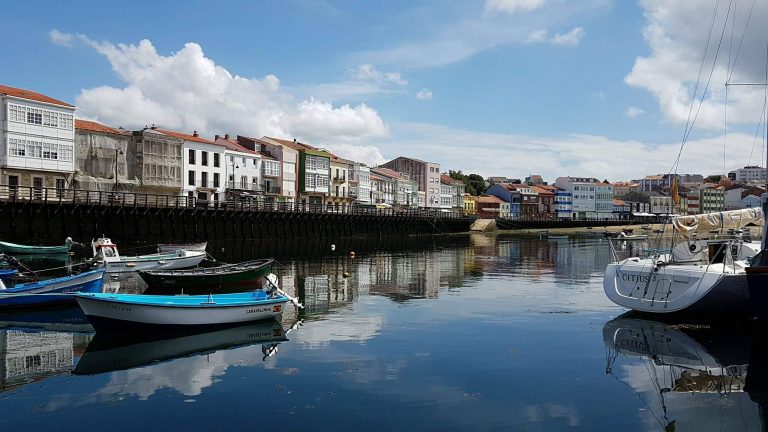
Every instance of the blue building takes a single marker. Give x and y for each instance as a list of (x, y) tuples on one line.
[(563, 204)]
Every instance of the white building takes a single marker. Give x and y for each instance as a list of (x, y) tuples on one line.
[(242, 166), (37, 140), (589, 197), (361, 181), (203, 170), (749, 174)]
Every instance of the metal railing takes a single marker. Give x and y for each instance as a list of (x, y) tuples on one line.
[(244, 186), (136, 199)]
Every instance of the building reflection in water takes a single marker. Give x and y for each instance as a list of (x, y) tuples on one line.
[(27, 356)]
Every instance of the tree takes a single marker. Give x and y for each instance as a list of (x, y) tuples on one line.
[(474, 184)]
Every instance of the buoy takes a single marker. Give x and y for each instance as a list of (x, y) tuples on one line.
[(345, 274), (333, 247)]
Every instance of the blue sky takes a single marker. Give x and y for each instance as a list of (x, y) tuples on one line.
[(499, 87)]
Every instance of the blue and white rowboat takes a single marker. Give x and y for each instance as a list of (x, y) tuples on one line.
[(121, 311), (50, 291)]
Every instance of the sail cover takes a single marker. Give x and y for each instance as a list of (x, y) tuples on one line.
[(732, 219)]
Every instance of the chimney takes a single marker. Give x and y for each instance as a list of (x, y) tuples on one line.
[(294, 140), (226, 136), (153, 126), (216, 137), (194, 134)]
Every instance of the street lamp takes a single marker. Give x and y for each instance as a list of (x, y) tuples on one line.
[(234, 166)]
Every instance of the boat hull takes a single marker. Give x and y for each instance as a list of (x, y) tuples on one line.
[(757, 278), (52, 291), (683, 290), (149, 262), (118, 312), (200, 278), (172, 247), (17, 249)]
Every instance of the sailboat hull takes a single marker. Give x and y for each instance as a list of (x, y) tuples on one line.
[(676, 289)]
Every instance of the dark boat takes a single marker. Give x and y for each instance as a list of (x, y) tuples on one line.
[(227, 275), (757, 279)]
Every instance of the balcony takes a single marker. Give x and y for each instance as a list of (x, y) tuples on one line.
[(339, 179), (205, 184), (244, 186), (271, 189)]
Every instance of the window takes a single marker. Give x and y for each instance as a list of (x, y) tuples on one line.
[(204, 179), (310, 179), (191, 178), (191, 156), (337, 190), (16, 147), (17, 113), (50, 118), (254, 162), (244, 182), (34, 116), (204, 158), (59, 187), (215, 175)]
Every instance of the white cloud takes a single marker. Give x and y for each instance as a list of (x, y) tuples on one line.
[(512, 6), (488, 154), (424, 94), (633, 112), (188, 91), (369, 72), (572, 38), (459, 40), (676, 33)]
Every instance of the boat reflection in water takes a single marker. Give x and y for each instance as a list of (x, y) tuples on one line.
[(119, 351), (689, 377)]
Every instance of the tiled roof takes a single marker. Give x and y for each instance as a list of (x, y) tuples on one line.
[(291, 144), (98, 127), (618, 202), (488, 199), (28, 94), (542, 190), (185, 137), (386, 172)]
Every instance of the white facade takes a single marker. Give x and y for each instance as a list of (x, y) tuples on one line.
[(270, 174), (36, 142), (316, 174), (243, 170), (750, 174), (433, 192), (362, 174), (447, 196), (204, 172), (589, 197)]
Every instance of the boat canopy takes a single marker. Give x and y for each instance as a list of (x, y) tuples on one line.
[(732, 219)]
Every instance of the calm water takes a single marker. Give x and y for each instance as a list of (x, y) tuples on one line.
[(465, 333)]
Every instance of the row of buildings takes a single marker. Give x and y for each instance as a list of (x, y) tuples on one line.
[(45, 146)]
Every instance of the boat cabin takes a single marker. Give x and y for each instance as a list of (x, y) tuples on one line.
[(105, 250)]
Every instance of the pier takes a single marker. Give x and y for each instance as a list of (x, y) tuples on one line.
[(49, 214)]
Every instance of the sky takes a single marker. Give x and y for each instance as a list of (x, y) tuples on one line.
[(611, 89)]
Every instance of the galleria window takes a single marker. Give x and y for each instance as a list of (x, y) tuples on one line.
[(24, 114)]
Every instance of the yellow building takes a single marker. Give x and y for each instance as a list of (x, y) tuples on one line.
[(470, 204)]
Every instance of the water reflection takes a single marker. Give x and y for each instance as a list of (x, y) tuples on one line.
[(111, 352), (28, 356), (688, 377)]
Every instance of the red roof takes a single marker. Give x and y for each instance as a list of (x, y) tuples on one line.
[(542, 190), (292, 144), (98, 127), (185, 137), (489, 200), (28, 94), (386, 172)]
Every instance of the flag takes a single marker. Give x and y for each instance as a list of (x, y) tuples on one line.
[(675, 192)]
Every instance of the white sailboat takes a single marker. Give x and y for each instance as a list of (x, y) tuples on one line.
[(699, 276), (106, 255)]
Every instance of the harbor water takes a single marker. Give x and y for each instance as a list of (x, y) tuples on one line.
[(466, 332)]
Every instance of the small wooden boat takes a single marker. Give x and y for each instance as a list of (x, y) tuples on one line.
[(50, 291), (172, 247), (19, 249), (106, 255), (131, 311), (109, 352), (624, 236), (209, 277)]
